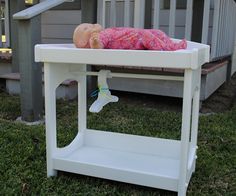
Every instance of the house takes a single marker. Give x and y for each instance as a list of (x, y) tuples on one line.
[(205, 21)]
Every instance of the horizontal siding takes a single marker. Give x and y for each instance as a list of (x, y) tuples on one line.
[(58, 25), (56, 41), (58, 31)]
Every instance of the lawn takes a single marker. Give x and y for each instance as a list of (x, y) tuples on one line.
[(23, 156)]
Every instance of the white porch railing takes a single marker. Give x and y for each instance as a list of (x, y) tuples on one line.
[(218, 28), (4, 24)]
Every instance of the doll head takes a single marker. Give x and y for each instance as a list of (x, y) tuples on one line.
[(83, 33)]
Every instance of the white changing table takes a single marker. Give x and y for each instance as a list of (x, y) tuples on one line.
[(154, 162)]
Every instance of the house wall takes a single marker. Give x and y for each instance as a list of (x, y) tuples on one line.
[(58, 25)]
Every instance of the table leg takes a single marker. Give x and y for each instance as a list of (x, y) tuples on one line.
[(185, 132), (82, 100), (195, 112), (50, 113)]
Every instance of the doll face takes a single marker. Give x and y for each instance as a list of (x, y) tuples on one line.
[(83, 33)]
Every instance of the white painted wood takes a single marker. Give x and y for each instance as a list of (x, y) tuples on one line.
[(82, 103), (160, 163), (128, 75), (67, 53), (50, 114), (195, 114), (127, 13), (139, 13), (136, 168), (101, 16), (185, 132), (215, 28), (172, 18), (221, 29), (133, 143), (188, 20), (191, 163), (113, 13), (156, 15), (205, 26)]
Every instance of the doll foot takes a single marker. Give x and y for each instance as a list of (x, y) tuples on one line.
[(102, 100)]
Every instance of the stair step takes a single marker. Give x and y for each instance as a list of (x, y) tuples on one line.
[(67, 89)]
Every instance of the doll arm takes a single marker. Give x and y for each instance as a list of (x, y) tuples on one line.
[(95, 41)]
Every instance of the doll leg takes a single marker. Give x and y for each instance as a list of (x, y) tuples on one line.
[(104, 95), (152, 42), (169, 44)]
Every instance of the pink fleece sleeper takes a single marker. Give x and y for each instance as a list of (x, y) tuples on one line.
[(138, 39)]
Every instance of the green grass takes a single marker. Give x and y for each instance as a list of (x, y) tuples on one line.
[(23, 156)]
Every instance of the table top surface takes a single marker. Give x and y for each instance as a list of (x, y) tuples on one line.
[(193, 57)]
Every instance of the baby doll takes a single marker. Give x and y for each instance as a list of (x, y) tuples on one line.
[(93, 36)]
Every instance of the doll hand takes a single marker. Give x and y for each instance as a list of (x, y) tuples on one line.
[(95, 42)]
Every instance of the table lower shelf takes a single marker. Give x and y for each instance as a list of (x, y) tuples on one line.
[(125, 159), (122, 166)]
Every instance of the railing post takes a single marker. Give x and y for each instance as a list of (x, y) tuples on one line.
[(15, 6), (139, 12), (30, 71), (7, 23), (101, 12)]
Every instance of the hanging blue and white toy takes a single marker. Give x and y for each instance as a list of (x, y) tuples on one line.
[(104, 94)]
